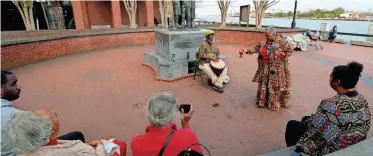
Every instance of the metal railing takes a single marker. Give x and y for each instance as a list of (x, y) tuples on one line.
[(199, 21)]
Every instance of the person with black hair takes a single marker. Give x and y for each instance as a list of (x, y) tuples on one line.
[(155, 21), (10, 91), (332, 34), (340, 121)]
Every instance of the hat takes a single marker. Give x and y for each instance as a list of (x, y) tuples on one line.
[(209, 32)]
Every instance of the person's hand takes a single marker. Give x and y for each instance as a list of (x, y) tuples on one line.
[(215, 59), (241, 53), (185, 117), (275, 46), (247, 51), (94, 143)]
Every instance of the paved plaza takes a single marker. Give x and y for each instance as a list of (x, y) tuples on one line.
[(103, 93)]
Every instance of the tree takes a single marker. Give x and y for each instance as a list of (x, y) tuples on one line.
[(289, 14), (131, 8), (25, 8), (223, 6), (260, 7), (164, 5), (58, 14)]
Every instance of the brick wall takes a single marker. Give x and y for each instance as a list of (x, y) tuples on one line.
[(141, 13), (157, 13), (99, 12), (78, 14), (115, 12), (22, 54), (17, 55), (150, 13), (239, 37)]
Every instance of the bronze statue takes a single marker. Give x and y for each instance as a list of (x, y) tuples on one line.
[(183, 14), (176, 15)]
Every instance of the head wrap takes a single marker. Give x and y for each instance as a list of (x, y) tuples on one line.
[(209, 32)]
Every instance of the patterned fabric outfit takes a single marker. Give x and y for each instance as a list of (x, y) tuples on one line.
[(339, 122), (273, 75), (206, 49)]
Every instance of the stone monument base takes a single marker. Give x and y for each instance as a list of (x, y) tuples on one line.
[(165, 68), (174, 51)]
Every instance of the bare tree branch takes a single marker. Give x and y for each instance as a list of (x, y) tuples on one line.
[(224, 6), (260, 7), (131, 8), (25, 8)]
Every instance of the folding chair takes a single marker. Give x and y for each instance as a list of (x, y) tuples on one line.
[(196, 64)]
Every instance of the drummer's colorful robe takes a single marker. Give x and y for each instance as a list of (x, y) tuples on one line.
[(273, 76)]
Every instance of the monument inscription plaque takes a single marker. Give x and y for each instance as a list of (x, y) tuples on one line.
[(178, 43)]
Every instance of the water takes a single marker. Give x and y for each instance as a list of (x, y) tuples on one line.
[(359, 27)]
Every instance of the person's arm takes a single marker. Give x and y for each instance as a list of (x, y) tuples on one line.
[(256, 49), (318, 133), (217, 53), (185, 117), (202, 53), (285, 50), (100, 150), (95, 147)]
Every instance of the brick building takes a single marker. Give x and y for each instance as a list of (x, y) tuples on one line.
[(86, 14), (91, 14)]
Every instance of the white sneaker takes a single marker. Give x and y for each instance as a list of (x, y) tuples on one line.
[(226, 80)]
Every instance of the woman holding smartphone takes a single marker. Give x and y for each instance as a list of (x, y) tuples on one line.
[(162, 136)]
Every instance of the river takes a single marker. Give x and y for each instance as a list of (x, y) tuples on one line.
[(360, 27)]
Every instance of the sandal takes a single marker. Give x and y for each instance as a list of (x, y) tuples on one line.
[(219, 89)]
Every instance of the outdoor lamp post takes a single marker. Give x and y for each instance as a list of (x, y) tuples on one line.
[(294, 14)]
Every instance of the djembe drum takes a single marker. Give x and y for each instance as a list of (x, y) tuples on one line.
[(217, 67)]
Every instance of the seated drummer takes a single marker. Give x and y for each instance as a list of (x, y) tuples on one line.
[(208, 52)]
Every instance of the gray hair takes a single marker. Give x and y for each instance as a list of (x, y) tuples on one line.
[(162, 109), (26, 132), (271, 30)]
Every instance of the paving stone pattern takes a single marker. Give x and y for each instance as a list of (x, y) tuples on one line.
[(103, 93)]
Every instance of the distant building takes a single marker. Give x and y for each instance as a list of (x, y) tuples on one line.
[(85, 14), (356, 15), (346, 15)]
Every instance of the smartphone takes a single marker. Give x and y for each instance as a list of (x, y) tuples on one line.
[(185, 107)]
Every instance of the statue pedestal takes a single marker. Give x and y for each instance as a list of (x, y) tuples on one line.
[(174, 50)]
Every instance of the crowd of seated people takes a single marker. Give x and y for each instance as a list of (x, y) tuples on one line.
[(340, 121), (34, 133)]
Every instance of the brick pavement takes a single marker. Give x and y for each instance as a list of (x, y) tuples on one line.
[(104, 93)]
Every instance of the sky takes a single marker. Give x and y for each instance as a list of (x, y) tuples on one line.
[(288, 5)]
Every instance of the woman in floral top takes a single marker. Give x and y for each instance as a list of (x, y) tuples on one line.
[(340, 121)]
